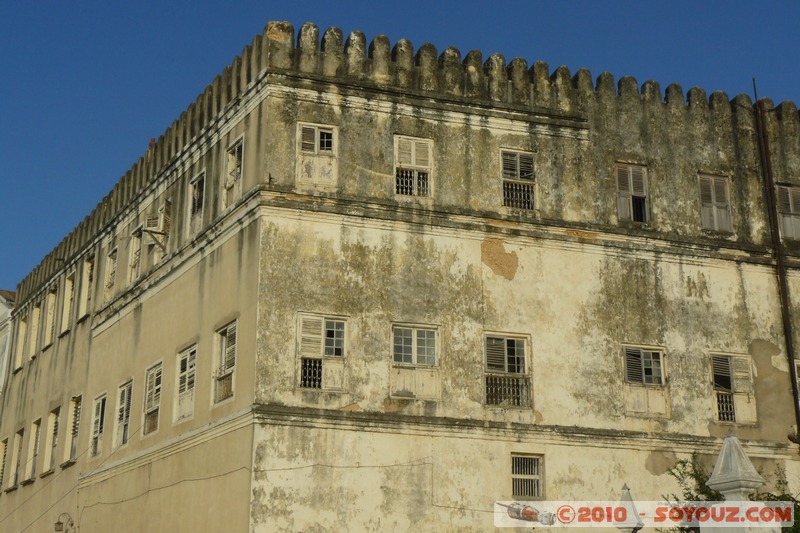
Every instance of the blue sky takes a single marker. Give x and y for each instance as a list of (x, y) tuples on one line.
[(85, 85)]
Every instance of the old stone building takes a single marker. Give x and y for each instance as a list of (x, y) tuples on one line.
[(358, 286)]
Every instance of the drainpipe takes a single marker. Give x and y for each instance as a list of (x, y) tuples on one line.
[(779, 252)]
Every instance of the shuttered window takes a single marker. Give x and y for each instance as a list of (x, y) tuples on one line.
[(232, 184), (187, 361), (3, 454), (504, 354), (52, 438), (226, 346), (526, 476), (643, 367), (321, 349), (69, 300), (789, 210), (33, 451), (36, 317), (518, 185), (50, 317), (98, 426), (733, 382), (412, 166), (111, 273), (74, 421), (124, 413), (506, 382), (715, 212), (87, 279), (152, 398), (196, 203), (632, 193), (316, 140)]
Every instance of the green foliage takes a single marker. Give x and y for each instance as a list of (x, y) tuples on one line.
[(692, 476)]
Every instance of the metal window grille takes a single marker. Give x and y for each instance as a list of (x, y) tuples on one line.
[(311, 373), (508, 391), (725, 407), (518, 195), (526, 476)]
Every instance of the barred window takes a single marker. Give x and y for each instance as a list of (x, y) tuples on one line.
[(412, 166), (526, 476), (518, 180), (632, 203)]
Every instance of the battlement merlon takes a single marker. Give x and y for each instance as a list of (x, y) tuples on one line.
[(494, 81)]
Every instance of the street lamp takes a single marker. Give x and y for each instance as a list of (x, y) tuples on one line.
[(59, 525)]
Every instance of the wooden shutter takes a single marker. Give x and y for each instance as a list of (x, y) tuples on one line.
[(525, 166), (721, 204), (623, 193), (509, 165), (76, 417), (311, 336), (308, 139), (404, 152), (707, 202), (97, 426), (230, 346), (124, 404), (496, 354), (153, 394), (742, 376), (633, 366), (638, 181), (721, 367), (422, 155)]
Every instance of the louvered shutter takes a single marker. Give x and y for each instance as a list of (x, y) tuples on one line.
[(707, 203), (153, 396), (525, 166), (123, 404), (509, 166), (76, 418), (721, 366), (422, 156), (182, 373), (311, 337), (230, 346), (633, 365), (638, 181), (496, 354), (307, 142), (404, 152), (722, 206), (624, 193), (97, 426), (742, 377)]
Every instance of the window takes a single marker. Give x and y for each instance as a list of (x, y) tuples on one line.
[(33, 450), (74, 422), (632, 193), (412, 166), (226, 353), (87, 277), (98, 426), (733, 387), (196, 201), (232, 186), (69, 297), (111, 273), (22, 329), (506, 381), (186, 376), (518, 180), (643, 367), (414, 346), (152, 398), (50, 317), (52, 439), (715, 210), (526, 476), (16, 459), (321, 349), (3, 454), (134, 254), (316, 140), (36, 317), (789, 209), (124, 413), (157, 226)]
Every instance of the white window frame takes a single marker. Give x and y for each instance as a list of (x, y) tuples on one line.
[(788, 198), (509, 386), (185, 383), (68, 301), (321, 342), (527, 476), (715, 205), (123, 420), (87, 280), (730, 400), (233, 174), (16, 459), (51, 443), (98, 425), (196, 202), (227, 342), (34, 439), (50, 317), (73, 423), (632, 184), (412, 162), (36, 318), (398, 331), (518, 176), (153, 384), (644, 372), (310, 139)]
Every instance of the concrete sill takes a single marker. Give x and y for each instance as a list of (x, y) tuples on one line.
[(28, 481), (47, 473), (67, 463), (11, 489), (60, 335)]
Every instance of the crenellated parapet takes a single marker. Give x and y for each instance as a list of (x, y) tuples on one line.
[(493, 81)]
